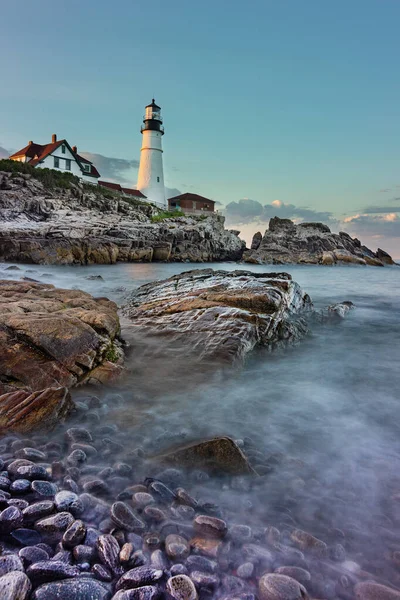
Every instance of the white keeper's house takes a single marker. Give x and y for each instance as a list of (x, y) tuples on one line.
[(58, 155)]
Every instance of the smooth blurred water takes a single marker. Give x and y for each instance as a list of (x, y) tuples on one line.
[(329, 406)]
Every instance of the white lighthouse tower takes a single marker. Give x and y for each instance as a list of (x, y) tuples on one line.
[(151, 174)]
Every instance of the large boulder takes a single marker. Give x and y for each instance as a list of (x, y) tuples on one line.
[(219, 315), (23, 411), (53, 337), (219, 454), (310, 243)]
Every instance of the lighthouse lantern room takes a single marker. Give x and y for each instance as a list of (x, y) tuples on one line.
[(151, 174)]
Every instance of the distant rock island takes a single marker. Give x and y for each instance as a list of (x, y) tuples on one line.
[(310, 243)]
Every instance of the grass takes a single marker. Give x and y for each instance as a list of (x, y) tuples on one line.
[(49, 177), (112, 354), (167, 214)]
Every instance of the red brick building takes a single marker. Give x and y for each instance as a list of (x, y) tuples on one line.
[(191, 203)]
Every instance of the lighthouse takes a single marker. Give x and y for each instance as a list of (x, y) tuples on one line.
[(151, 175)]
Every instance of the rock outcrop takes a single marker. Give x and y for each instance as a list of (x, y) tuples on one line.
[(310, 243), (220, 315), (24, 411), (77, 226), (52, 338)]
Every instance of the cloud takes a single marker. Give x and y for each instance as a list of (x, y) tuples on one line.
[(382, 225), (381, 209), (247, 210), (385, 190), (110, 168)]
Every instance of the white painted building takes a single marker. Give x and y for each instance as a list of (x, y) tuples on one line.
[(151, 174), (58, 155)]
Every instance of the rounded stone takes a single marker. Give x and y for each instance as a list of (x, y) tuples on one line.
[(181, 587), (74, 535), (369, 590), (301, 575), (101, 573), (32, 472), (80, 588), (123, 517), (245, 570), (32, 554), (64, 499), (26, 537), (280, 587), (30, 454), (146, 592), (38, 510), (108, 552), (139, 576), (10, 562), (44, 489), (50, 570), (83, 553), (15, 586), (52, 528), (20, 486), (78, 434), (18, 502), (10, 518), (161, 492), (210, 526), (176, 547)]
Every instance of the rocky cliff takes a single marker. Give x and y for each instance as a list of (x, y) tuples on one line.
[(80, 225), (313, 243)]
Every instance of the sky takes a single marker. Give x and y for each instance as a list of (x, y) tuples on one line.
[(270, 108)]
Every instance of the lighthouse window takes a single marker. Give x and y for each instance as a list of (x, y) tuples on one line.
[(158, 179)]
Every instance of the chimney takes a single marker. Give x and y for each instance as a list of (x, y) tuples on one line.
[(54, 138), (75, 149), (30, 143)]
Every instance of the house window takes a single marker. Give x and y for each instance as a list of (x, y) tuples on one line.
[(86, 167), (68, 164), (63, 149), (56, 162)]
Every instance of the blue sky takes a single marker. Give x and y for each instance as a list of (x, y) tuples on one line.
[(290, 101)]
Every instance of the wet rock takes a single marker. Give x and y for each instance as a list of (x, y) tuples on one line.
[(52, 528), (16, 464), (240, 534), (32, 472), (38, 510), (15, 586), (26, 411), (297, 573), (10, 518), (32, 554), (209, 547), (74, 535), (20, 486), (101, 573), (210, 526), (78, 434), (181, 587), (108, 551), (161, 492), (147, 592), (219, 454), (76, 458), (201, 563), (31, 454), (139, 576), (257, 554), (10, 562), (245, 570), (280, 587), (142, 499), (306, 541), (176, 547), (50, 570), (44, 489), (123, 517), (80, 588), (369, 590), (207, 581), (83, 553), (126, 553), (26, 537), (64, 499)]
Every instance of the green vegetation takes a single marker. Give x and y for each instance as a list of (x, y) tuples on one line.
[(49, 177), (112, 354), (167, 214)]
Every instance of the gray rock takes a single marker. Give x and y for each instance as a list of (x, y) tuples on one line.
[(123, 517), (181, 587), (10, 562), (15, 586), (138, 577), (50, 570), (80, 588), (280, 587), (52, 528)]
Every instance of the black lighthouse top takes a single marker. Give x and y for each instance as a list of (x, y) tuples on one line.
[(152, 119)]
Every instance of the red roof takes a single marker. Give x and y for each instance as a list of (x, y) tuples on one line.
[(38, 152), (191, 197), (132, 192), (112, 186)]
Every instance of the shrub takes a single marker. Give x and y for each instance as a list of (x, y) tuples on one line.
[(167, 214)]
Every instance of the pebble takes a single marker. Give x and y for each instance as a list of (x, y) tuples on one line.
[(176, 547), (147, 592), (83, 553), (139, 576), (20, 486), (15, 464), (74, 535), (10, 562), (10, 518), (80, 588), (64, 499), (181, 587), (245, 570), (142, 499), (32, 554), (210, 526), (4, 483), (15, 586), (306, 541), (123, 517), (26, 537), (18, 502), (101, 573), (78, 434), (77, 457), (108, 552), (30, 454), (161, 492), (38, 510), (178, 569), (206, 581), (32, 472), (44, 489), (280, 587), (241, 534), (50, 570), (369, 590), (301, 575), (196, 562), (52, 528)]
